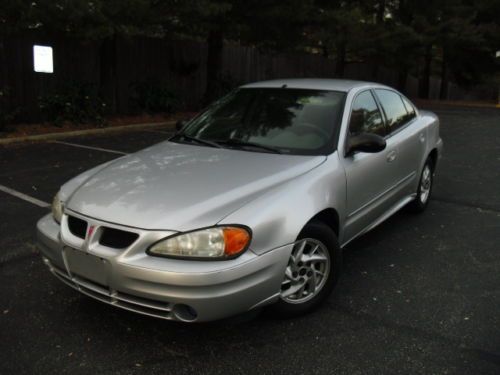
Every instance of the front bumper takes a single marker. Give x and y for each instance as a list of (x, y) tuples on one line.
[(166, 288)]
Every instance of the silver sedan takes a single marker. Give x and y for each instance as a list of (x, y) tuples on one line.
[(248, 205)]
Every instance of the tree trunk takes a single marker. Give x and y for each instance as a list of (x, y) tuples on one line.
[(374, 70), (340, 63), (4, 83), (5, 104), (379, 20), (215, 42), (3, 64), (324, 51), (402, 77), (380, 12), (424, 85), (107, 76), (443, 90)]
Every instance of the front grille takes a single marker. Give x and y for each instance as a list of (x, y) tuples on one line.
[(104, 294), (118, 239), (109, 237), (77, 226)]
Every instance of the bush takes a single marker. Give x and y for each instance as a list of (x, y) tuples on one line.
[(153, 98), (7, 115), (77, 103)]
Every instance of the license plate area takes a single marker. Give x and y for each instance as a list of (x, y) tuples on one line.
[(86, 265)]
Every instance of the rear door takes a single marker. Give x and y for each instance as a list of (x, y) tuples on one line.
[(407, 135), (370, 176)]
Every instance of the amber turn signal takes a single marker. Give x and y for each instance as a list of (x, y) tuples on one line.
[(235, 240)]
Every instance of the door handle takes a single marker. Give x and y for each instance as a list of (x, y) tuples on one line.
[(391, 156)]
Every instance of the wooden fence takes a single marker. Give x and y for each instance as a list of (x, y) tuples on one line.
[(115, 65)]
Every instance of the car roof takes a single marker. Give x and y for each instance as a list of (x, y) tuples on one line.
[(315, 84)]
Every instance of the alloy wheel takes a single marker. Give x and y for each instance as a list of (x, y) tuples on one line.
[(306, 272)]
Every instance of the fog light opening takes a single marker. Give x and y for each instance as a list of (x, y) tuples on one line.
[(184, 312)]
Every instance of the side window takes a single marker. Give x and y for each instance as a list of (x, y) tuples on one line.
[(409, 108), (394, 109), (365, 116)]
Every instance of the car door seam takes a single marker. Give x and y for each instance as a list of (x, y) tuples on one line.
[(385, 192)]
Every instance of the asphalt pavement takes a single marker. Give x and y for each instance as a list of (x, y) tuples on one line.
[(419, 294)]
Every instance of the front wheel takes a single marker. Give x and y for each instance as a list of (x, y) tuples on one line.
[(424, 190), (312, 271)]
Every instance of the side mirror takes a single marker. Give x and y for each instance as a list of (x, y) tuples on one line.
[(365, 142), (180, 124)]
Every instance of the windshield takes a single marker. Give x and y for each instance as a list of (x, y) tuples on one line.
[(284, 120)]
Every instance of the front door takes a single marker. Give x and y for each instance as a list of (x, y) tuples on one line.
[(370, 176), (405, 131)]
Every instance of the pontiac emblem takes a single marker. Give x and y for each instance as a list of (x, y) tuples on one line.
[(90, 231)]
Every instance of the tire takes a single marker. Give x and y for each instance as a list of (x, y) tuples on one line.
[(311, 288), (424, 190)]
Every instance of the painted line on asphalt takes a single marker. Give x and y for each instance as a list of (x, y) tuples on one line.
[(24, 197), (91, 148)]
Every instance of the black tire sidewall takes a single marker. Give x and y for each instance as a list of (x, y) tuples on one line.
[(417, 205)]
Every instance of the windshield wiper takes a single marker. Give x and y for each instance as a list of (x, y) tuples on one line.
[(198, 140), (240, 143)]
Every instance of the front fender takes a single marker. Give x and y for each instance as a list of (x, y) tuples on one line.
[(277, 217)]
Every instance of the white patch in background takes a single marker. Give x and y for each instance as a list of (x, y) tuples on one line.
[(42, 59)]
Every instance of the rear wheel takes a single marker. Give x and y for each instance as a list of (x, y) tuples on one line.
[(424, 190), (312, 271)]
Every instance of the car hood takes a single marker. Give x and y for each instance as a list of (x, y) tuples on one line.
[(181, 187)]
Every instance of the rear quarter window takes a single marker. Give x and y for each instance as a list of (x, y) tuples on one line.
[(410, 108)]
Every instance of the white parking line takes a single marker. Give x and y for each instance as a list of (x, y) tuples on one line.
[(25, 197), (90, 147)]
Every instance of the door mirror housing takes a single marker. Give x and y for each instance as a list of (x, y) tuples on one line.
[(365, 142), (180, 124)]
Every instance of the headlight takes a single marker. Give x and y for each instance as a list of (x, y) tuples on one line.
[(217, 242), (57, 208)]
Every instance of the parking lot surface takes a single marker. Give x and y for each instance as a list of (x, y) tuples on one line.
[(419, 294)]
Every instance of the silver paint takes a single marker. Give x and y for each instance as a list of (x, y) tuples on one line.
[(171, 188)]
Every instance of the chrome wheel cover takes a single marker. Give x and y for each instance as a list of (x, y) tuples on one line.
[(425, 184), (307, 271)]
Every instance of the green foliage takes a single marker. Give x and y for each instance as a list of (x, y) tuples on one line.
[(153, 98), (456, 39), (77, 103), (7, 115), (15, 15), (94, 19), (279, 25)]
